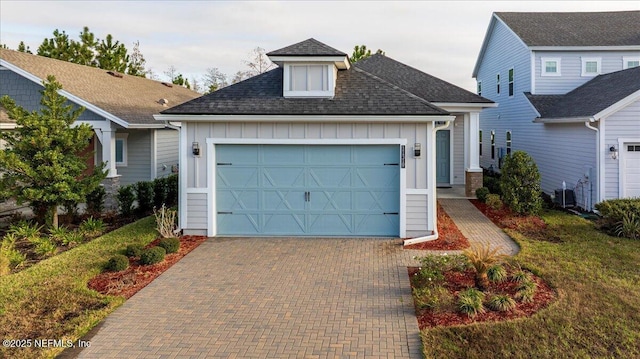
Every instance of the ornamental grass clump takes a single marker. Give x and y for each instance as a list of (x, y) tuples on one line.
[(501, 303), (470, 302), (481, 258)]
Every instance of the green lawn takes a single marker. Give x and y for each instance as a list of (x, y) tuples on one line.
[(50, 300), (597, 314)]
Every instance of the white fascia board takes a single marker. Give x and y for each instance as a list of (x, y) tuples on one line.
[(564, 120), (618, 105), (304, 118), (146, 126), (71, 97), (8, 126), (463, 106), (341, 62), (494, 19), (585, 48)]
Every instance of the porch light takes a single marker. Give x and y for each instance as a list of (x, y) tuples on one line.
[(195, 149), (416, 149), (614, 152)]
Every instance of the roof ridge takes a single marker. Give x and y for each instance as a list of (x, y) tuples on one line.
[(395, 87)]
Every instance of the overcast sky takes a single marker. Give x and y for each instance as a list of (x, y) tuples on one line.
[(442, 38)]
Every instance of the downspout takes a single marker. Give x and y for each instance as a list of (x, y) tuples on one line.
[(598, 172), (434, 208)]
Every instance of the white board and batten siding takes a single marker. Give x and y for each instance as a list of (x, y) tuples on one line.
[(198, 178), (621, 129)]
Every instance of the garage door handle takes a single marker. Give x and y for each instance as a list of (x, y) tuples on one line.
[(225, 212), (391, 164), (385, 213), (307, 196), (224, 163)]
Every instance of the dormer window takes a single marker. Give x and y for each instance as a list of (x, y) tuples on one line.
[(309, 80)]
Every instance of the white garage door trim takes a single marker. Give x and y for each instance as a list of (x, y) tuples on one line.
[(211, 175), (622, 157)]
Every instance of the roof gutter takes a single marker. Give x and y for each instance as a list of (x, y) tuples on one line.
[(304, 118), (563, 120), (600, 171)]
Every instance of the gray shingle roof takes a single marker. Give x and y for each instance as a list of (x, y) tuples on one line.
[(589, 99), (309, 47), (620, 28), (417, 82), (130, 98), (356, 93)]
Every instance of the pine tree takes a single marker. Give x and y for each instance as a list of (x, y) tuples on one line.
[(41, 164)]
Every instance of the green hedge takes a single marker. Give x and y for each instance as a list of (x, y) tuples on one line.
[(613, 210)]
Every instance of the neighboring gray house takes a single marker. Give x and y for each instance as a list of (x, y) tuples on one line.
[(322, 147), (568, 94), (119, 107)]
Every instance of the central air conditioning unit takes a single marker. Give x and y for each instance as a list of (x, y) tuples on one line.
[(566, 199)]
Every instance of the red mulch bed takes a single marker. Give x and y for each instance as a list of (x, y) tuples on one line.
[(532, 227), (459, 281), (129, 281), (449, 236)]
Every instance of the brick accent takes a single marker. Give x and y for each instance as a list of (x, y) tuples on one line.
[(473, 181)]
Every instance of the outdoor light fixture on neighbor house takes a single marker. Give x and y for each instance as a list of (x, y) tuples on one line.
[(614, 152), (195, 149)]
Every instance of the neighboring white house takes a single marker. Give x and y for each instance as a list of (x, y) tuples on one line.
[(568, 96), (119, 107), (322, 147)]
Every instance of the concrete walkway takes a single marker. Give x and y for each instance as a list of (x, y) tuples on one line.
[(281, 298)]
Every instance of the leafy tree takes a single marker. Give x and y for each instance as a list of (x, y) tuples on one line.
[(180, 80), (520, 183), (361, 52), (41, 164), (214, 80)]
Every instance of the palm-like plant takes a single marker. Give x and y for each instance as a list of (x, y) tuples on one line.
[(482, 257)]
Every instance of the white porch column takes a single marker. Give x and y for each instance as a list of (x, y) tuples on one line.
[(107, 137), (472, 155)]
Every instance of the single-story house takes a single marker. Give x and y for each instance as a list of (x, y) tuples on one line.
[(320, 146), (119, 107)]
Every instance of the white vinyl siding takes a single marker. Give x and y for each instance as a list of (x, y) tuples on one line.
[(197, 219), (167, 142), (416, 215), (624, 124)]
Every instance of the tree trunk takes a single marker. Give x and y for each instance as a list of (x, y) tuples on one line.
[(54, 218), (482, 281)]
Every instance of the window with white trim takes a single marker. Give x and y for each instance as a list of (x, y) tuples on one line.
[(629, 62), (508, 142), (550, 66), (493, 144), (121, 149), (479, 88), (309, 80), (511, 81), (480, 143), (591, 66), (498, 84)]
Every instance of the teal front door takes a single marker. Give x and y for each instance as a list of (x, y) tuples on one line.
[(443, 158), (284, 190)]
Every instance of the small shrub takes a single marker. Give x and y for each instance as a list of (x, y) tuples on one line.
[(520, 276), (159, 192), (526, 290), (497, 273), (144, 194), (43, 246), (170, 245), (520, 183), (481, 194), (494, 201), (628, 227), (492, 183), (126, 197), (72, 239), (470, 302), (9, 251), (172, 191), (501, 303), (25, 230), (152, 255), (58, 234), (91, 227), (435, 299), (95, 201), (117, 263), (166, 221), (613, 211), (481, 258), (527, 284), (133, 250)]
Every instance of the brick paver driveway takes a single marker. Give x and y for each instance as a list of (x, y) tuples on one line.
[(271, 298)]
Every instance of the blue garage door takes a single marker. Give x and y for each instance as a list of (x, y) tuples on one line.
[(287, 190)]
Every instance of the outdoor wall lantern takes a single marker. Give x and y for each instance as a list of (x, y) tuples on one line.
[(416, 149), (614, 152), (195, 149)]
